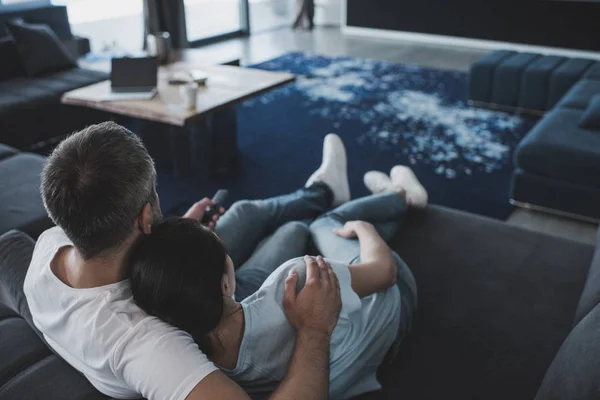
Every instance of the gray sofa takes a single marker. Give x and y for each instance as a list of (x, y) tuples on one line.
[(21, 205), (557, 164), (504, 313), (31, 112)]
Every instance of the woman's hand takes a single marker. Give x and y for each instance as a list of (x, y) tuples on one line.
[(198, 209), (351, 228)]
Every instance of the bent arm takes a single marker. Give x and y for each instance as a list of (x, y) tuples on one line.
[(377, 270), (314, 313), (307, 377)]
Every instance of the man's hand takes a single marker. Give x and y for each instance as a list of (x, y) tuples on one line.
[(198, 209), (351, 228), (317, 306)]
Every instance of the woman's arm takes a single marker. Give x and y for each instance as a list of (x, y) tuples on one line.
[(377, 270)]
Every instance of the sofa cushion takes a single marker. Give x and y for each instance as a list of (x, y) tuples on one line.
[(51, 378), (41, 50), (16, 249), (481, 76), (558, 148), (533, 93), (593, 72), (580, 94), (591, 116), (495, 304), (54, 16), (10, 64), (507, 78), (574, 372), (48, 87), (30, 108), (20, 346), (564, 77), (555, 194), (590, 297), (21, 204)]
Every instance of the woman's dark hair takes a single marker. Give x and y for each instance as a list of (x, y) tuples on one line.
[(176, 274)]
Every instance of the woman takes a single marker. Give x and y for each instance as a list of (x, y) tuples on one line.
[(182, 274)]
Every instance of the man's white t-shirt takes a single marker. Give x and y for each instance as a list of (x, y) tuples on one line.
[(102, 333)]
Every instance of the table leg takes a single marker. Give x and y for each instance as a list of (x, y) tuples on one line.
[(207, 147)]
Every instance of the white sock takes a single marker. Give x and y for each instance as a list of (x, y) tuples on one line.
[(404, 177), (378, 182), (332, 171)]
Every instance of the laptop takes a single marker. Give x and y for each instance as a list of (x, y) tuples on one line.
[(134, 75)]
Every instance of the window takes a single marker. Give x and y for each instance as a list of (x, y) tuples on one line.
[(109, 24), (209, 18)]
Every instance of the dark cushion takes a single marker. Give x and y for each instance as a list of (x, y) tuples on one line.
[(6, 151), (16, 249), (564, 77), (495, 304), (507, 78), (21, 204), (50, 378), (533, 93), (55, 17), (574, 372), (593, 72), (591, 116), (555, 194), (10, 60), (481, 76), (590, 297), (580, 94), (19, 345), (41, 50), (30, 108), (558, 148)]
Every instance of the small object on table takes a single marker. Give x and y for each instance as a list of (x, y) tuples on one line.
[(189, 92), (183, 77), (159, 44)]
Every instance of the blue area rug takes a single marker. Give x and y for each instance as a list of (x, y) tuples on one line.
[(387, 114)]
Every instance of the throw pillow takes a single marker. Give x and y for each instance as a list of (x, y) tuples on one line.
[(10, 64), (591, 116), (41, 50)]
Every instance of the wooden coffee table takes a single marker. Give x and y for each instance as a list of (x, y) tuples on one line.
[(204, 139)]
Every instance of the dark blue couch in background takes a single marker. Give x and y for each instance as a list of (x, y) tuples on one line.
[(30, 107), (557, 165)]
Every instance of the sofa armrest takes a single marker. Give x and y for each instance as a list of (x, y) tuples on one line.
[(495, 304), (16, 249)]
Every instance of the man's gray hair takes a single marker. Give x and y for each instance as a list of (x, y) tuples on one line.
[(96, 183)]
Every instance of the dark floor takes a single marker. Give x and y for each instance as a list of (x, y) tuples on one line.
[(330, 41)]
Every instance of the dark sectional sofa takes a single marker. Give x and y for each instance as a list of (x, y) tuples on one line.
[(30, 107), (504, 313), (557, 165)]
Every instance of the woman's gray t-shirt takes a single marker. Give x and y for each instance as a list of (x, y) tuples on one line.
[(365, 331)]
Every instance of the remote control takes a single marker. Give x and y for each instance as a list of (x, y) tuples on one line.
[(211, 211)]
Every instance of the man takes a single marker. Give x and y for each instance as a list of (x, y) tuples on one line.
[(99, 188)]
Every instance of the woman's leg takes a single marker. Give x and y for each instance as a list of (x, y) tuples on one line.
[(385, 212), (248, 222), (289, 241)]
